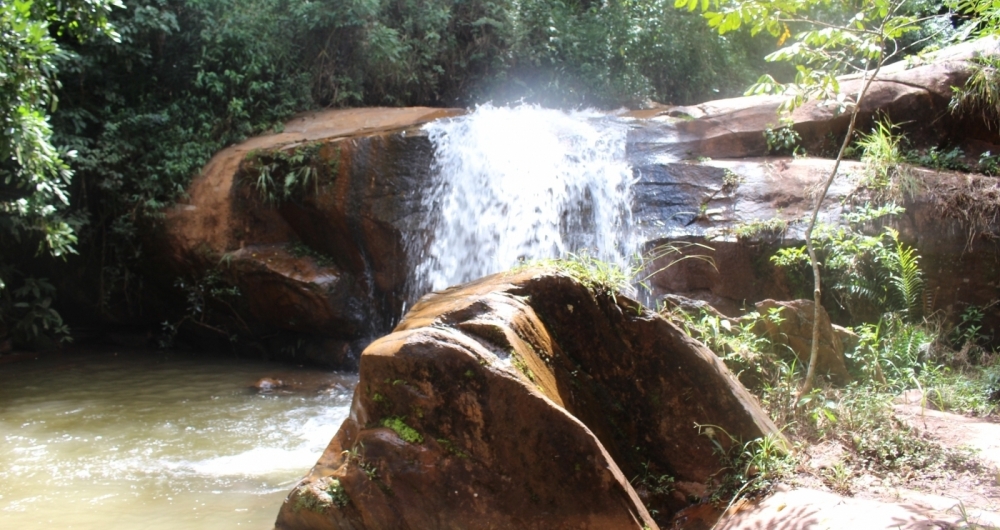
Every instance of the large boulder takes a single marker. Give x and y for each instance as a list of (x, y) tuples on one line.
[(527, 400), (791, 324), (326, 267)]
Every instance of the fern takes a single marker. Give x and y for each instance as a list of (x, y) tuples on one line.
[(906, 278)]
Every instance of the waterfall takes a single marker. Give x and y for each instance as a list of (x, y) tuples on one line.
[(522, 183)]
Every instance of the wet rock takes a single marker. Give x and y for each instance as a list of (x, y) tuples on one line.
[(526, 401), (791, 324), (683, 197), (267, 384), (300, 382)]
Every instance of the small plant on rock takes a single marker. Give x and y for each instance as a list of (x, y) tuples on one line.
[(752, 468), (774, 226), (980, 96), (407, 433), (284, 174), (783, 139), (885, 173), (321, 496)]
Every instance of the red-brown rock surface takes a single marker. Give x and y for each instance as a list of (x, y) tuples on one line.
[(949, 221), (524, 400), (327, 265), (913, 94)]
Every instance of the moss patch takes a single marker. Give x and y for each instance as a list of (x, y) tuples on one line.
[(407, 433)]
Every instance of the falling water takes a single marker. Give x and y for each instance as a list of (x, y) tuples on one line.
[(523, 183)]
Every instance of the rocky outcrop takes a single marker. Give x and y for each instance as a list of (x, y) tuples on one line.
[(326, 267), (950, 221), (914, 94), (527, 400)]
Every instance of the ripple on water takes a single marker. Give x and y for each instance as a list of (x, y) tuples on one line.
[(155, 440)]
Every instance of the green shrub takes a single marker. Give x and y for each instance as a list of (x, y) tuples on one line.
[(980, 96), (782, 139), (868, 271), (992, 380), (885, 173)]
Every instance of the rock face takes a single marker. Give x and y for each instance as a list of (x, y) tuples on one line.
[(949, 221), (326, 267), (525, 400), (681, 195), (912, 94)]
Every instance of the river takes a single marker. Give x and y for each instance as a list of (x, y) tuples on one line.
[(157, 440)]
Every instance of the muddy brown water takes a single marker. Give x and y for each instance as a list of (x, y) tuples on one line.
[(157, 440)]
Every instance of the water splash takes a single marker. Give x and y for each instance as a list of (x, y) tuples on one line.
[(523, 183)]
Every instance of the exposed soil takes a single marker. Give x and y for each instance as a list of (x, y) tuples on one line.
[(827, 493)]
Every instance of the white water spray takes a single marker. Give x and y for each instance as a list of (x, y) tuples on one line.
[(523, 183)]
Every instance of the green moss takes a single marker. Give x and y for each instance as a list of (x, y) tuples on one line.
[(306, 500), (407, 433), (302, 250), (450, 447), (519, 363)]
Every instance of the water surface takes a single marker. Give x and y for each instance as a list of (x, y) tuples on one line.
[(157, 440)]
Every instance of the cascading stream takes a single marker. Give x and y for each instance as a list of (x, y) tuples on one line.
[(522, 183)]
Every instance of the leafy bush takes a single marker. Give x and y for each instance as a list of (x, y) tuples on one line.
[(782, 139), (28, 313), (992, 377), (939, 158), (892, 354), (867, 274)]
